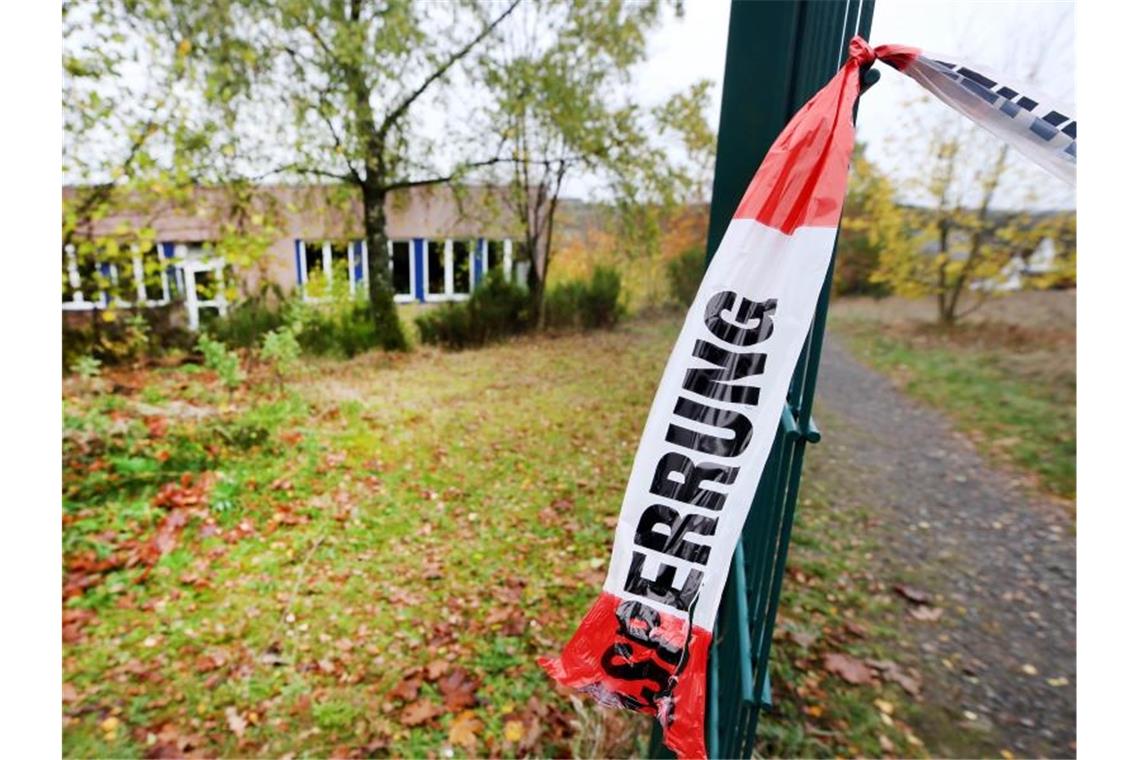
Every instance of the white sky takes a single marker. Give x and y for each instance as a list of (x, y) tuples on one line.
[(1000, 35)]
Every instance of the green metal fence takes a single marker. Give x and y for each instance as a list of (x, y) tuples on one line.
[(779, 54)]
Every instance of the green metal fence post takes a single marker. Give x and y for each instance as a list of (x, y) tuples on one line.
[(779, 54)]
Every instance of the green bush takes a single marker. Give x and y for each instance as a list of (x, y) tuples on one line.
[(123, 336), (247, 321), (342, 328), (225, 362), (340, 325), (561, 304), (601, 302), (281, 350), (586, 305), (497, 309), (685, 275)]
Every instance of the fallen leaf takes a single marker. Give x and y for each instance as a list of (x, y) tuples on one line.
[(926, 614), (912, 594), (848, 668), (884, 706), (458, 690), (893, 672), (464, 730), (1061, 681), (803, 638), (69, 693), (408, 689), (419, 712), (436, 668), (513, 731), (1028, 669), (235, 721)]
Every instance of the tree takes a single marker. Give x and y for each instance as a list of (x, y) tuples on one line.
[(873, 222), (137, 144), (561, 110), (333, 91), (961, 246)]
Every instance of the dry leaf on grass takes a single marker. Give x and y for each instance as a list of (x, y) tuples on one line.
[(436, 669), (235, 721), (848, 668), (465, 729), (458, 690), (513, 731), (891, 671), (911, 594), (926, 614), (419, 712), (407, 690)]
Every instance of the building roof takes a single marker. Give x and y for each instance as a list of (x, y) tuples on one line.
[(315, 212)]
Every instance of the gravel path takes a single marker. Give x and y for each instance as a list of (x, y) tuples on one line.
[(1000, 665)]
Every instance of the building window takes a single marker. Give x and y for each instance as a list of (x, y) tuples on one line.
[(314, 265), (462, 273), (151, 270), (120, 284), (339, 269), (495, 250), (436, 268), (519, 258), (400, 260), (325, 264), (70, 283)]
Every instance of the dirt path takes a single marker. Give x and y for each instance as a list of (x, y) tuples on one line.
[(1000, 664)]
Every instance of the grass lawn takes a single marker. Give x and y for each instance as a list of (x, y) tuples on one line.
[(368, 561), (1006, 376)]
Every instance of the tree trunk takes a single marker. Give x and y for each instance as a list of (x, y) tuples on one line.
[(945, 311), (536, 281), (381, 296)]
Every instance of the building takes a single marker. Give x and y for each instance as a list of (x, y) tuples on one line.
[(442, 242)]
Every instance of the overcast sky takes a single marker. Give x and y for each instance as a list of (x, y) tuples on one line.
[(1001, 35)]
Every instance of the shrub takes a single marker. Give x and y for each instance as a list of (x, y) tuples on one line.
[(585, 305), (601, 301), (122, 336), (88, 367), (685, 275), (281, 351), (561, 303), (495, 310), (223, 361), (342, 327), (247, 321)]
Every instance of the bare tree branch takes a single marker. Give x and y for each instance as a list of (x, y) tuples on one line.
[(401, 184), (402, 107)]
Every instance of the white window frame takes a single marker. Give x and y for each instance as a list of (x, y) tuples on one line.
[(504, 262), (77, 302), (449, 293), (410, 296), (191, 269)]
